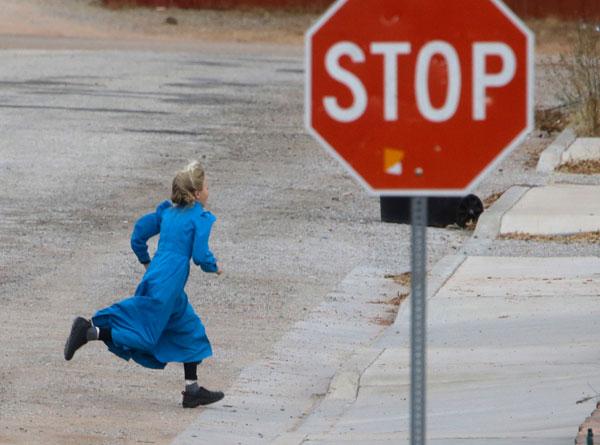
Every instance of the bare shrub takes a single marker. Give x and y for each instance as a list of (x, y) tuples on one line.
[(577, 80), (551, 120)]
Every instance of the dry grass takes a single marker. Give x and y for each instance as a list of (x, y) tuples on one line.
[(396, 301), (402, 279), (584, 237), (576, 80), (491, 199), (388, 321), (588, 167)]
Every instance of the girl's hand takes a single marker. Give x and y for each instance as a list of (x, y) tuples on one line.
[(219, 271)]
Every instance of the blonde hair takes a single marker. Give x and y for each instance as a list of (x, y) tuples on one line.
[(186, 182)]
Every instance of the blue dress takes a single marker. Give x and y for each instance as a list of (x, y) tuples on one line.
[(158, 325)]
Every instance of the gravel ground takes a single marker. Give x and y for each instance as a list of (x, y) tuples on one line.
[(91, 140)]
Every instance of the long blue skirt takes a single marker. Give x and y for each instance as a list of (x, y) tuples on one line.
[(157, 325)]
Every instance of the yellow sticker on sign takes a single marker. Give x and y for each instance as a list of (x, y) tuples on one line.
[(392, 161)]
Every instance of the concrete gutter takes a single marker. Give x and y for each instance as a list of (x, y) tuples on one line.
[(551, 157), (490, 221)]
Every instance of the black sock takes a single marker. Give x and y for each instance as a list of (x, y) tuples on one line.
[(191, 371), (105, 334), (95, 333), (191, 377)]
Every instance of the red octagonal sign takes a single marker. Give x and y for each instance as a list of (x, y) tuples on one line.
[(419, 97)]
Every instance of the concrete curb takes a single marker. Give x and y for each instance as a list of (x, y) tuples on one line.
[(436, 278), (343, 392), (442, 272), (551, 157), (490, 221), (582, 150), (344, 385)]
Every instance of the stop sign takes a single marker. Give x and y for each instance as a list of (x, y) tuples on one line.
[(419, 97)]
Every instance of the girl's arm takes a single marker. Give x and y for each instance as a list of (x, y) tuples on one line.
[(145, 228), (201, 254)]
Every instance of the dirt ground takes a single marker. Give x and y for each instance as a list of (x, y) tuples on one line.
[(87, 20), (91, 24), (288, 231)]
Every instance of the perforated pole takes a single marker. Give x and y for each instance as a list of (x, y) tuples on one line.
[(418, 319)]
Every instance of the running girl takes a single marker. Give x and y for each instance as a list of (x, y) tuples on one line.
[(158, 325)]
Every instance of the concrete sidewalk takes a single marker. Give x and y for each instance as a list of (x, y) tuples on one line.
[(554, 210), (513, 345)]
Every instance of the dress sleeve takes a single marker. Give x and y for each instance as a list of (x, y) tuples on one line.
[(145, 228), (201, 254)]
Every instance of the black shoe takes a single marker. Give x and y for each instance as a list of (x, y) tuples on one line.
[(77, 337), (201, 397)]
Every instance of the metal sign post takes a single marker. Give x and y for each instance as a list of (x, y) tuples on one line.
[(418, 319), (383, 129)]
